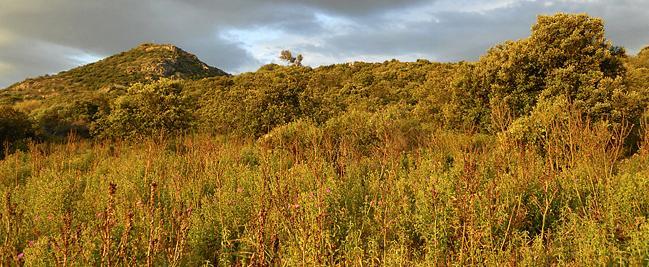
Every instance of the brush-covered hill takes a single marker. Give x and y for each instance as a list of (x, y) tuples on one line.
[(145, 63), (566, 66)]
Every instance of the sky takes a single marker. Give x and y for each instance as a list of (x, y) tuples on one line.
[(40, 37)]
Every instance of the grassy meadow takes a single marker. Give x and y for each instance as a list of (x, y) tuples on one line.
[(452, 199)]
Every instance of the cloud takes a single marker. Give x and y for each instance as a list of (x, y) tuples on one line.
[(445, 30), (22, 56), (47, 36)]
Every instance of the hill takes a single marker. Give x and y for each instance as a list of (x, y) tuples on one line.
[(145, 63)]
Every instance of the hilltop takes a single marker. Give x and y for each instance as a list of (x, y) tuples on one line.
[(144, 63)]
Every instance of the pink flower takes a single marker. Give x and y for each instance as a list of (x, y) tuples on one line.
[(328, 190), (31, 243), (21, 255)]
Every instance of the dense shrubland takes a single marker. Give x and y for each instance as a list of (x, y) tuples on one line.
[(146, 110), (536, 154), (301, 195)]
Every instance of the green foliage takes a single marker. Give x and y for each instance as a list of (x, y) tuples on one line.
[(295, 137), (393, 130), (355, 130), (566, 56), (143, 64), (452, 199), (252, 104), (78, 117), (14, 126), (638, 77), (157, 108), (287, 56)]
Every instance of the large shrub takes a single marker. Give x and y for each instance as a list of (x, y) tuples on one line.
[(361, 133), (157, 108), (14, 126), (78, 117), (298, 137), (252, 104)]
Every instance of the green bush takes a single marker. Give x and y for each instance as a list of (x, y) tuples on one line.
[(298, 137), (361, 133), (252, 104), (15, 126), (157, 108), (78, 117), (352, 132)]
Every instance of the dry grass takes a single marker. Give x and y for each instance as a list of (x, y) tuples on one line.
[(450, 199)]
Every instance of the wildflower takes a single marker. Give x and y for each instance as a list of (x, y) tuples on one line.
[(31, 243), (328, 190), (21, 255)]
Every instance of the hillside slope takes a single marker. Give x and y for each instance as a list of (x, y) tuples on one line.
[(145, 63)]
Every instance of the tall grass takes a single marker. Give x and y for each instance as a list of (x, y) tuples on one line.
[(307, 196)]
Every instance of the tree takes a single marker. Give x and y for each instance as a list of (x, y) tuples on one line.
[(566, 56), (287, 56)]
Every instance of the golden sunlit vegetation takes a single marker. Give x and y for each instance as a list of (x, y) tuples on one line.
[(536, 154)]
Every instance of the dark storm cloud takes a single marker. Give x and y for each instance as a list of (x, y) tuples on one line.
[(347, 7), (463, 35), (46, 36), (105, 27), (30, 56)]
